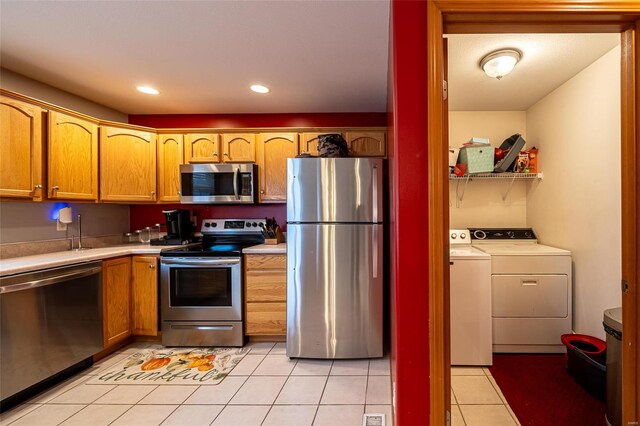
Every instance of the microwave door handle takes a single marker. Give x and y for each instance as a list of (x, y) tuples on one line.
[(235, 182)]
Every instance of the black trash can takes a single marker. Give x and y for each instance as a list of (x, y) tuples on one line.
[(613, 326)]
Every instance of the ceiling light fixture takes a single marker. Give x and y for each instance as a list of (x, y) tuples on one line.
[(259, 88), (500, 63), (148, 90)]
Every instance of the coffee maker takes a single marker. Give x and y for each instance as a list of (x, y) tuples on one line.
[(179, 228)]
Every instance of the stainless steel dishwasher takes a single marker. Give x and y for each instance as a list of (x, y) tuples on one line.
[(50, 320)]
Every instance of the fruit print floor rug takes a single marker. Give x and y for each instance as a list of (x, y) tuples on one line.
[(172, 366)]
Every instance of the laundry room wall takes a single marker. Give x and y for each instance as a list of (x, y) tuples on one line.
[(482, 204), (577, 205)]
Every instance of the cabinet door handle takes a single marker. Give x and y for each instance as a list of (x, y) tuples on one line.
[(262, 192), (152, 266), (54, 187), (226, 154), (153, 192)]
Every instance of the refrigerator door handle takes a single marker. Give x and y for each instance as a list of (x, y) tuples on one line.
[(374, 185), (374, 249)]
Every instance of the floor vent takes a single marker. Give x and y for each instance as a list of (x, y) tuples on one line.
[(373, 420)]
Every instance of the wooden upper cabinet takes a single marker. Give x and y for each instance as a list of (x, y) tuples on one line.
[(72, 157), (116, 299), (202, 148), (170, 156), (367, 144), (239, 148), (144, 295), (127, 164), (20, 150), (309, 142), (272, 151)]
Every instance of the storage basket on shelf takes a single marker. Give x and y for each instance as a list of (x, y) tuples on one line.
[(478, 158)]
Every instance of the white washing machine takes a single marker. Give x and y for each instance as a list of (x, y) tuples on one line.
[(470, 301), (530, 290)]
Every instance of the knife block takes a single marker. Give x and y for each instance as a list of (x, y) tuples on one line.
[(277, 240)]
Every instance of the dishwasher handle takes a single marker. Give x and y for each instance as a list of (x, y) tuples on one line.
[(50, 281)]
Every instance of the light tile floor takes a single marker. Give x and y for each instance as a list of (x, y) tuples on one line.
[(476, 399), (265, 389)]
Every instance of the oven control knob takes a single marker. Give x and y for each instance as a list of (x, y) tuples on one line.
[(248, 224), (528, 234), (479, 234), (213, 225), (454, 236), (254, 224), (207, 224), (463, 236), (511, 234)]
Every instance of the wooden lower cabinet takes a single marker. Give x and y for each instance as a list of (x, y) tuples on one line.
[(266, 295), (144, 295), (129, 298), (116, 299), (266, 319)]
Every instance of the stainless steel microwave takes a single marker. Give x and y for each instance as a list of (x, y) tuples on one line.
[(218, 183)]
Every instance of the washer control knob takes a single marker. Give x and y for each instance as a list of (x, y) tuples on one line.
[(479, 234)]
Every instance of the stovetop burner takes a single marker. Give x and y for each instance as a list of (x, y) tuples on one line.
[(222, 238)]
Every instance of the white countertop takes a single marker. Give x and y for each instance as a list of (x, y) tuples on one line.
[(267, 249), (17, 265)]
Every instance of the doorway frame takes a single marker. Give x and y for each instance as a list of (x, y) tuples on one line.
[(531, 16)]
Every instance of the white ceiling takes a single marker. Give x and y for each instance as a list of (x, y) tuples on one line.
[(316, 56), (548, 60)]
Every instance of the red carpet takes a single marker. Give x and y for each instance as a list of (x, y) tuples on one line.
[(541, 392)]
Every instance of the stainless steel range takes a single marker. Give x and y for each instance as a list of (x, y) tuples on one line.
[(201, 287)]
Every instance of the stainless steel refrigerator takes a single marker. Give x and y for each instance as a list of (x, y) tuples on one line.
[(334, 257)]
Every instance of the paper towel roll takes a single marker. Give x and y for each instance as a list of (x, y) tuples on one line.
[(65, 215)]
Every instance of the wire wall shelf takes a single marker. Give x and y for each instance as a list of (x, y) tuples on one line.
[(462, 181)]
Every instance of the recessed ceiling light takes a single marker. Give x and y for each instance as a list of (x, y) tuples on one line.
[(500, 63), (259, 88), (148, 90)]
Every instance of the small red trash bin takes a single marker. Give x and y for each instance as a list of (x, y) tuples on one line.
[(591, 346), (586, 362)]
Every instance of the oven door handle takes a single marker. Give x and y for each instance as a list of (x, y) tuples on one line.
[(235, 182), (203, 327), (200, 262)]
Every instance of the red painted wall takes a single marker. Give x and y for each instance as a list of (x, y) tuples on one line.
[(141, 216), (409, 191), (366, 119)]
